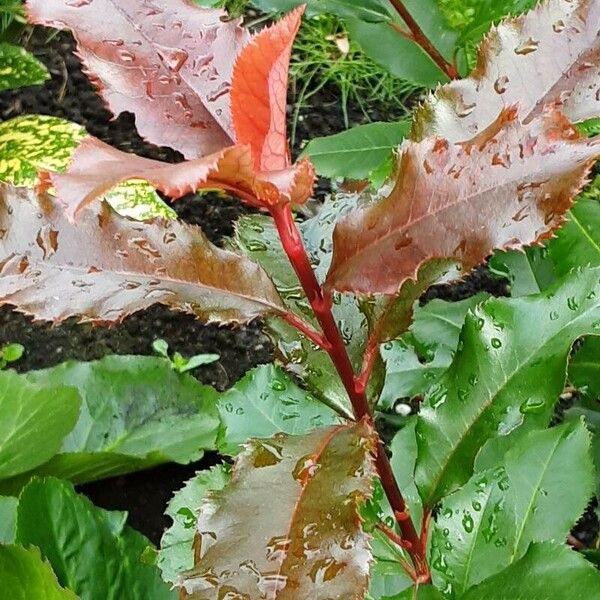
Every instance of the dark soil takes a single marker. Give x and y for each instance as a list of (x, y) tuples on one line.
[(69, 95)]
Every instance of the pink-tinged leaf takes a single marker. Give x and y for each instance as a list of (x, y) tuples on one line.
[(550, 56), (166, 61), (287, 526), (107, 267), (506, 188), (97, 167), (259, 93)]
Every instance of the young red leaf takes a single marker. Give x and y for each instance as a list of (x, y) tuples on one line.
[(166, 61), (107, 267), (287, 527), (259, 93), (506, 188), (550, 56), (97, 167)]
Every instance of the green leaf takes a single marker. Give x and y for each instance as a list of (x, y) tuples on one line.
[(423, 592), (25, 576), (34, 420), (415, 361), (506, 376), (272, 520), (12, 352), (19, 68), (265, 402), (547, 571), (32, 143), (91, 550), (357, 152), (490, 522), (136, 412), (399, 55), (176, 553), (8, 519), (368, 10), (584, 368)]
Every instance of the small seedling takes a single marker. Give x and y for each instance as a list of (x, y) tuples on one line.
[(179, 362), (10, 353)]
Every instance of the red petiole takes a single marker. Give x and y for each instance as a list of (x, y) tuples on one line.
[(321, 304)]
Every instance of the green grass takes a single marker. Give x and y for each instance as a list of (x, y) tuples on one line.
[(323, 56)]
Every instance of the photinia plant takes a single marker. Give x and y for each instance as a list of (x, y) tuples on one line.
[(319, 503)]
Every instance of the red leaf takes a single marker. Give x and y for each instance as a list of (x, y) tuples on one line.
[(506, 188), (550, 56), (166, 61), (106, 267), (97, 167), (259, 93), (287, 527)]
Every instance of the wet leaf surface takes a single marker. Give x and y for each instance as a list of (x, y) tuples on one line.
[(507, 188), (33, 143), (548, 571), (550, 56), (490, 522), (504, 380), (107, 267), (167, 61), (176, 553), (307, 542), (264, 402)]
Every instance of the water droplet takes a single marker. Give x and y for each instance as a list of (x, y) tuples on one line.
[(558, 26), (278, 385), (278, 548), (572, 303), (502, 160), (479, 323), (501, 84), (527, 47), (305, 469), (78, 3), (256, 246), (496, 343), (169, 237), (267, 454), (521, 214), (145, 247), (476, 505), (325, 570), (467, 522), (222, 90), (532, 405), (127, 56), (114, 42), (174, 58)]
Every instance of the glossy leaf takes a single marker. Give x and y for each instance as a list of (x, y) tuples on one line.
[(91, 550), (400, 55), (32, 143), (19, 68), (130, 406), (556, 44), (356, 153), (367, 10), (547, 571), (416, 360), (265, 402), (250, 543), (8, 519), (96, 168), (176, 553), (509, 197), (490, 522), (169, 63), (584, 367), (505, 378), (34, 420), (25, 576), (107, 267), (259, 93)]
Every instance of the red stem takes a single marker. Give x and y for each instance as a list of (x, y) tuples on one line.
[(321, 305), (422, 40)]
